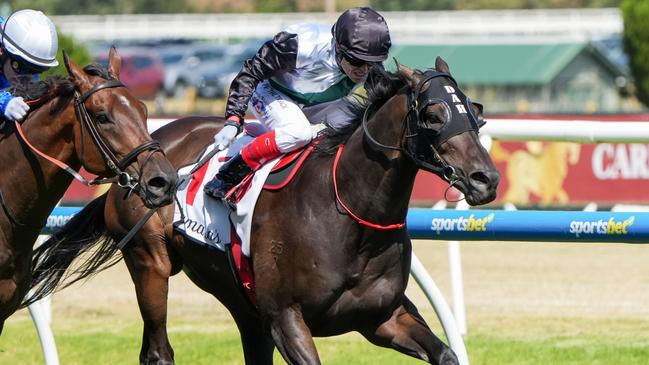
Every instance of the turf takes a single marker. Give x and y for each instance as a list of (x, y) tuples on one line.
[(551, 341)]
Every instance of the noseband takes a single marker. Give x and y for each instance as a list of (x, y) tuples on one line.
[(418, 101), (118, 167)]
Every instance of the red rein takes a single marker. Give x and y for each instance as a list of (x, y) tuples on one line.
[(357, 218)]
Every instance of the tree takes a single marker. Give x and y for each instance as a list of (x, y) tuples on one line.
[(66, 7), (636, 43), (76, 51)]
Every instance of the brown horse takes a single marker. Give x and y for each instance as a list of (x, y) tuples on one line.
[(88, 119), (319, 270)]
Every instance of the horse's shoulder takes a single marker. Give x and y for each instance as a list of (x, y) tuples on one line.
[(183, 140), (186, 127)]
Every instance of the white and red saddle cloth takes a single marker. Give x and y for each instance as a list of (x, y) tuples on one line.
[(208, 221), (212, 223)]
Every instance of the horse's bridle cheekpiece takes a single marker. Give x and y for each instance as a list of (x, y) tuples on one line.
[(456, 124), (117, 166)]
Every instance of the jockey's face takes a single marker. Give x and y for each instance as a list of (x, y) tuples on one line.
[(356, 73), (355, 69), (15, 68), (7, 70)]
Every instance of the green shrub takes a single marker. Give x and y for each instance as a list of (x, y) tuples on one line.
[(636, 42)]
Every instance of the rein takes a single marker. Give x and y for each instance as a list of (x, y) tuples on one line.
[(361, 221)]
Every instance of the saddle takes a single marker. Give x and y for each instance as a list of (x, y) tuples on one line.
[(280, 175)]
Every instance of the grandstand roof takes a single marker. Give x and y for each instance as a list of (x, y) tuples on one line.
[(501, 64)]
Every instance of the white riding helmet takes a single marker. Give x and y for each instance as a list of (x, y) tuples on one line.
[(31, 35)]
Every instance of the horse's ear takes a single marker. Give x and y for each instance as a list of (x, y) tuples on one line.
[(478, 112), (78, 75), (114, 63), (441, 65), (408, 74), (396, 62)]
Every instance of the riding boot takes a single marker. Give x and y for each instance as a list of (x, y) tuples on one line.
[(229, 176)]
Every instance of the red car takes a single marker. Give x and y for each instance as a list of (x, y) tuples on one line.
[(142, 70)]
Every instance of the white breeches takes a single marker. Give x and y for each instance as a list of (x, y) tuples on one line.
[(280, 113)]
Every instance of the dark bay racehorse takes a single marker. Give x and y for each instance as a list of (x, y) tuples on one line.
[(327, 260), (88, 119)]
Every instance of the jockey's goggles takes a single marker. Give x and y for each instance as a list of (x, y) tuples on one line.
[(356, 62), (22, 67)]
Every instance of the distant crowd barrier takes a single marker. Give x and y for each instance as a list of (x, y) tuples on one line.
[(579, 131)]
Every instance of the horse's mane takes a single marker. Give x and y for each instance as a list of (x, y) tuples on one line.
[(380, 86), (54, 86)]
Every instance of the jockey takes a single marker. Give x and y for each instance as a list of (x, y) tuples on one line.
[(306, 72), (28, 47)]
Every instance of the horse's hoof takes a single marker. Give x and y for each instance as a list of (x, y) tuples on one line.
[(448, 358), (156, 362)]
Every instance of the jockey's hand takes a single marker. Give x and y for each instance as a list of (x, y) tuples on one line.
[(225, 136), (16, 109)]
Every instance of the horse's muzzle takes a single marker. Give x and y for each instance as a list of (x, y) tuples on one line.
[(482, 186), (159, 189)]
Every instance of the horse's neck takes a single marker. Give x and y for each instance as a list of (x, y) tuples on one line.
[(32, 186), (378, 183)]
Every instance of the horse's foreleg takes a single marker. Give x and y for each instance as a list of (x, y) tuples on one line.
[(293, 338), (150, 267), (407, 332), (150, 270), (257, 345)]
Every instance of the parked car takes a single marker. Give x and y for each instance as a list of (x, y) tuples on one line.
[(184, 66), (141, 70), (216, 81)]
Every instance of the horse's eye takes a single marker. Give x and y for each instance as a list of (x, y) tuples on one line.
[(434, 117), (437, 116), (103, 119)]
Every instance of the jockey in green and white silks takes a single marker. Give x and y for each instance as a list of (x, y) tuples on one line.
[(28, 46), (304, 75)]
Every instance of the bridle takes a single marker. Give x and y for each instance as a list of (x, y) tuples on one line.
[(418, 101), (115, 165), (118, 167)]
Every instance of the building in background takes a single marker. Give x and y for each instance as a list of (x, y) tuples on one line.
[(573, 78)]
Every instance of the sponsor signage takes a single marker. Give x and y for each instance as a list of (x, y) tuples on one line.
[(560, 173), (528, 225)]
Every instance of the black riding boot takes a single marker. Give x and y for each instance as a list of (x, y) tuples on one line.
[(229, 175)]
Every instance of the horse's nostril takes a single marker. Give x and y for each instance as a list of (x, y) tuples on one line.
[(158, 182), (489, 178)]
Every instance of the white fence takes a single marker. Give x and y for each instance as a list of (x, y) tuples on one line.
[(431, 27)]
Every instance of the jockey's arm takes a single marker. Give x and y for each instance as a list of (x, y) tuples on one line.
[(275, 56), (5, 97)]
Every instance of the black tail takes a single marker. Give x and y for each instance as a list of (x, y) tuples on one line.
[(85, 233)]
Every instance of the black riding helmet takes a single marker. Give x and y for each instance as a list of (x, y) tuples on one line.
[(362, 34)]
